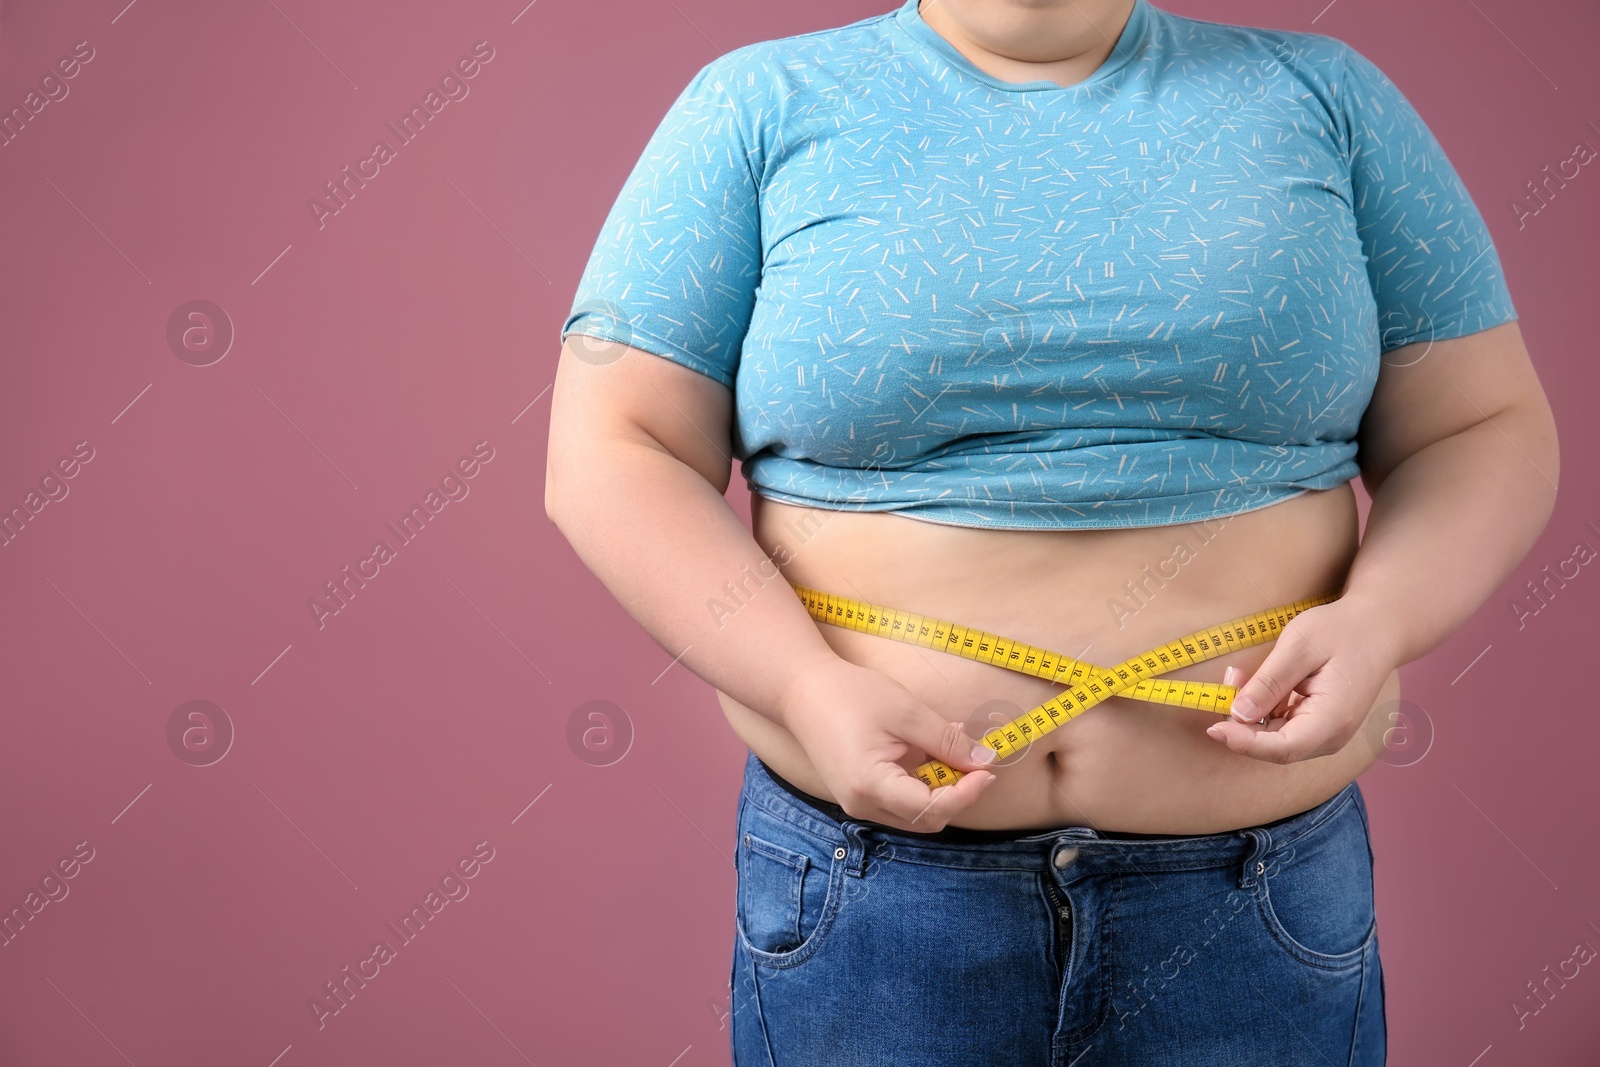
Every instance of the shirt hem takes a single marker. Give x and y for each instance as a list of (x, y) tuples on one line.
[(1078, 523), (671, 352)]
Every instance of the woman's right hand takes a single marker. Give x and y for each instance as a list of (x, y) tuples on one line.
[(858, 726)]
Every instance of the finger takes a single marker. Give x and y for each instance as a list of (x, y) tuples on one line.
[(1286, 666), (947, 740), (906, 803), (908, 798), (1280, 741), (1233, 676)]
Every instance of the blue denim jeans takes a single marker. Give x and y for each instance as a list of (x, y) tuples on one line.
[(857, 944)]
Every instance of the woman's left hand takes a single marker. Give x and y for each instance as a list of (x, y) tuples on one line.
[(1315, 687)]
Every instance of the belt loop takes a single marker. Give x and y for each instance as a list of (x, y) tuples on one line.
[(1254, 861), (855, 857)]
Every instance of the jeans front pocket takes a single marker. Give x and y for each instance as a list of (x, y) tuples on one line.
[(1315, 895), (789, 884)]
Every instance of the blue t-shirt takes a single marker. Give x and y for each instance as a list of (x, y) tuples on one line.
[(1156, 296)]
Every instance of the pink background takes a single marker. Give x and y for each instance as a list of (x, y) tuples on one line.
[(374, 751)]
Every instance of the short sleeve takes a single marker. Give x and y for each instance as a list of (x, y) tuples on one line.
[(676, 266), (1430, 260)]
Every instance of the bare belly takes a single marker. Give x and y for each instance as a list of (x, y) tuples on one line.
[(1099, 595)]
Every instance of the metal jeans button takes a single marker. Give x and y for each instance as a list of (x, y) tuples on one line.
[(1066, 856)]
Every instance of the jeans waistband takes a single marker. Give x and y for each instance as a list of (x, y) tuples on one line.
[(960, 847)]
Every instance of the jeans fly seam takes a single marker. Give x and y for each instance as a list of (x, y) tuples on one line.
[(1106, 936), (1055, 901)]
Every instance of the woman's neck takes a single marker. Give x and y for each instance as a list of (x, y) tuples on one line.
[(1064, 41)]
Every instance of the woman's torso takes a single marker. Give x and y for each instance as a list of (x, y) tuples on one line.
[(1097, 305), (1099, 595), (1106, 306)]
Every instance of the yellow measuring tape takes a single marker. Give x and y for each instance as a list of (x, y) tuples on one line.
[(1087, 683)]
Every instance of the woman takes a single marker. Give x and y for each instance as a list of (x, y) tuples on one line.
[(1070, 322)]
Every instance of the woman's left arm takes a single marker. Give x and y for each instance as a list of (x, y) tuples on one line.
[(1458, 452)]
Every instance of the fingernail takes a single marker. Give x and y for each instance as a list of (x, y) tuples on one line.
[(1230, 675), (1244, 709), (1216, 734), (983, 755)]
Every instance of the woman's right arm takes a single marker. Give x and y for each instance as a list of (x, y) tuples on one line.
[(639, 458)]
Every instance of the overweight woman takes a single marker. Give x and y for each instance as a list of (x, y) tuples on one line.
[(1049, 337)]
